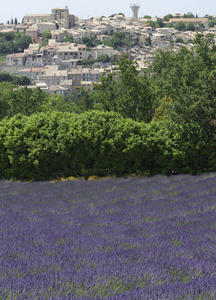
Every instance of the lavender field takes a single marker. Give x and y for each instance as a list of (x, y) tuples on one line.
[(126, 238)]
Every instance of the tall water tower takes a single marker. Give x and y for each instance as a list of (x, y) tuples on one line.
[(135, 8)]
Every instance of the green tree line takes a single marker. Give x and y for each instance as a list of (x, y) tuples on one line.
[(53, 145), (12, 42)]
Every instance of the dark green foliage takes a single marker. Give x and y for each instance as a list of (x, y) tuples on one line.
[(43, 146), (167, 17), (13, 43), (87, 62), (5, 95), (88, 42), (189, 15), (169, 25), (179, 40), (190, 26), (147, 17), (22, 43), (119, 39), (104, 58), (9, 36), (22, 80), (27, 101), (189, 80), (201, 26), (180, 26), (47, 34), (211, 23), (20, 100), (68, 38), (131, 96), (5, 76), (148, 41), (59, 103), (52, 145), (156, 24), (13, 78), (160, 22)]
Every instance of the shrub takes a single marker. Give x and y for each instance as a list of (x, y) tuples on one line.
[(44, 146)]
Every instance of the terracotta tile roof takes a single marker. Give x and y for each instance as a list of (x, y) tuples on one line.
[(81, 46), (16, 55), (188, 20)]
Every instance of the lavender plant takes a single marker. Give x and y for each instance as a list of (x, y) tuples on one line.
[(125, 238)]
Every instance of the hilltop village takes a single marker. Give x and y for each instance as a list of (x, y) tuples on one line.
[(67, 53)]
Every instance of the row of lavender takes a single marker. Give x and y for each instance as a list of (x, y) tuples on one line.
[(126, 238)]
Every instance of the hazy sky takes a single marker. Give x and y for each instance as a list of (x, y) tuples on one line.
[(97, 8)]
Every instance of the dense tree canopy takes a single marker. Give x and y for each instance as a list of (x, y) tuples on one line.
[(180, 26), (104, 58), (11, 42), (167, 17), (190, 27), (88, 42), (179, 40), (68, 38), (156, 24), (189, 81), (212, 23), (15, 79), (147, 17), (130, 96), (189, 15)]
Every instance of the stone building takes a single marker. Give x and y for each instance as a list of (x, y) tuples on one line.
[(59, 16)]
